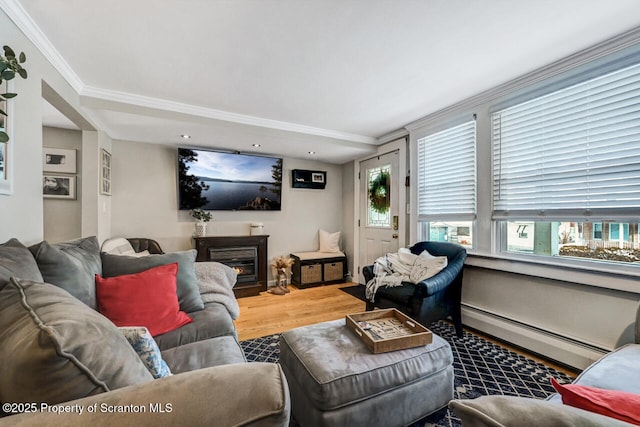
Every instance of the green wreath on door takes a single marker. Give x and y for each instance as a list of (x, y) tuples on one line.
[(379, 193)]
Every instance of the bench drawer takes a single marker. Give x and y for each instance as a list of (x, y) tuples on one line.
[(311, 273), (333, 271)]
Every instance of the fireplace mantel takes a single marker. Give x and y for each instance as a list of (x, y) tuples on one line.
[(243, 288)]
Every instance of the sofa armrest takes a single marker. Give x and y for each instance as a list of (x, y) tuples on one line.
[(501, 411), (247, 394)]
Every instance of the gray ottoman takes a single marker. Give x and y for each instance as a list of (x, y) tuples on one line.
[(335, 380)]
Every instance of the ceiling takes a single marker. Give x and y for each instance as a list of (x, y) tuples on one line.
[(331, 76)]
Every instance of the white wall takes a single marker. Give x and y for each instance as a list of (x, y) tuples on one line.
[(63, 218), (21, 213), (144, 203)]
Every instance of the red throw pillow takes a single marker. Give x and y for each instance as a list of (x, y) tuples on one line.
[(612, 403), (147, 299)]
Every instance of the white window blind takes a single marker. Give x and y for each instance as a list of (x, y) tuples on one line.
[(447, 174), (574, 153)]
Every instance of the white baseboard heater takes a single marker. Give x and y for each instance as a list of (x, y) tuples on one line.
[(565, 350)]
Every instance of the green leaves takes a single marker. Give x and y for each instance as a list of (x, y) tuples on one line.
[(9, 67)]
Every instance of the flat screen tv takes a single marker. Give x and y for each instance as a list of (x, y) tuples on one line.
[(214, 180)]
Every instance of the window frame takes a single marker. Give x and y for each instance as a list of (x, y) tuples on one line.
[(423, 222)]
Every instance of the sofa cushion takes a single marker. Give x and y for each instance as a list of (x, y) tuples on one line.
[(501, 411), (204, 354), (54, 348), (147, 349), (188, 291), (213, 321), (612, 403), (71, 266), (144, 299), (16, 260)]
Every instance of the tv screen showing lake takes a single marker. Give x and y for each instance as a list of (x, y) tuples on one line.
[(213, 180), (228, 195)]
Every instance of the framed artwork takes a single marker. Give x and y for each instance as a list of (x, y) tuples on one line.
[(59, 187), (59, 160), (6, 148), (105, 182), (317, 177)]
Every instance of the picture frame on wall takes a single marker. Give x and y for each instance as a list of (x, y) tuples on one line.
[(58, 160), (59, 187), (105, 182), (317, 177)]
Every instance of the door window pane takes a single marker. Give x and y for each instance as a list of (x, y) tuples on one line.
[(379, 196)]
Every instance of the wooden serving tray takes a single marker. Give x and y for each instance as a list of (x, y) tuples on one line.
[(388, 330)]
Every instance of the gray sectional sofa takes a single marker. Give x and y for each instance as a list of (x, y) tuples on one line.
[(616, 371), (64, 363)]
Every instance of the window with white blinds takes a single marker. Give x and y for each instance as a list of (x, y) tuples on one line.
[(447, 174), (571, 154)]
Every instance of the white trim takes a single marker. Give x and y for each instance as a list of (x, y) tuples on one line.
[(392, 136), (163, 104), (21, 18), (589, 273), (585, 56)]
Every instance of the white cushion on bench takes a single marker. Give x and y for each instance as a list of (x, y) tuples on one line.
[(317, 255)]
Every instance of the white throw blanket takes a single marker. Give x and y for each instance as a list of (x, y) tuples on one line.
[(394, 268), (216, 282)]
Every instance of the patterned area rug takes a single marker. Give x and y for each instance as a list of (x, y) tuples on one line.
[(481, 368)]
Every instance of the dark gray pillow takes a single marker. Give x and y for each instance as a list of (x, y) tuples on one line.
[(188, 290), (16, 260), (71, 265), (55, 349)]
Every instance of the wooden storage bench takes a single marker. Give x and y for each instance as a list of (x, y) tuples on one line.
[(318, 268)]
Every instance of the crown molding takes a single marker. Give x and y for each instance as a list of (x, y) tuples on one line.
[(600, 50), (392, 136), (178, 107), (23, 21)]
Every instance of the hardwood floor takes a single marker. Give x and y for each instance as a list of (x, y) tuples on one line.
[(268, 314)]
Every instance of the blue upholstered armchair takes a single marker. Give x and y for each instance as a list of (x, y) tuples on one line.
[(432, 299)]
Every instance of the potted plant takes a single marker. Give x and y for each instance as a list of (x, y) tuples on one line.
[(9, 67), (202, 217)]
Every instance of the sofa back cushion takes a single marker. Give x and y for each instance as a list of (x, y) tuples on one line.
[(187, 284), (16, 260), (55, 349), (71, 266)]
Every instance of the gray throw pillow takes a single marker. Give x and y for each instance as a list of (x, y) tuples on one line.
[(55, 349), (188, 290), (71, 265), (16, 260)]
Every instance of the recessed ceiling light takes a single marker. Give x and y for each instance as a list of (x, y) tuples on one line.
[(185, 136), (257, 145)]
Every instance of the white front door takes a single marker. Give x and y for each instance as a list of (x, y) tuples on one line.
[(379, 208)]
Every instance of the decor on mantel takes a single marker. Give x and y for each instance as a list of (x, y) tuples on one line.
[(282, 265), (9, 67), (202, 217)]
